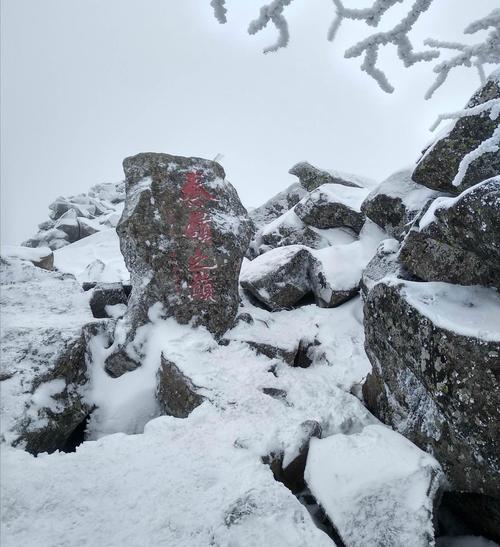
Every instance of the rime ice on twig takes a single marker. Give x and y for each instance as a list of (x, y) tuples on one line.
[(487, 51), (219, 10), (398, 36), (272, 12)]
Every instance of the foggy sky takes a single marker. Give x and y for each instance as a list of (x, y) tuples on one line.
[(86, 83)]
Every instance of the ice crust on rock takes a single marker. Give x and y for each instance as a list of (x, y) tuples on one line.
[(369, 479)]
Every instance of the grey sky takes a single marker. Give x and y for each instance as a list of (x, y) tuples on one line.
[(87, 82)]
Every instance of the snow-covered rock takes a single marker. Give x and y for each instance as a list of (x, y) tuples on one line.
[(435, 352), (458, 239), (440, 163), (336, 272), (333, 206), (277, 205), (311, 177), (46, 320), (183, 234), (280, 277), (104, 295), (376, 487), (42, 257), (395, 203), (77, 217)]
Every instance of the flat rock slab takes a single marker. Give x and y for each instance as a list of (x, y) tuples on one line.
[(367, 480)]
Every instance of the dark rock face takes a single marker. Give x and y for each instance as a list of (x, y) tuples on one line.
[(311, 177), (279, 278), (385, 263), (322, 210), (175, 392), (436, 386), (395, 203), (183, 235), (439, 164), (70, 367), (106, 294), (461, 241)]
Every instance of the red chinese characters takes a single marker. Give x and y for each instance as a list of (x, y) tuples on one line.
[(198, 228)]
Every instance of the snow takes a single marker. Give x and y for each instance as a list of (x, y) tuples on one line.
[(338, 193), (25, 253), (342, 265), (200, 480), (269, 262), (469, 311), (364, 479), (35, 328), (364, 182), (104, 246), (400, 185)]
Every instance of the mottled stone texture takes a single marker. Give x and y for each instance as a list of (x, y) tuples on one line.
[(462, 244), (175, 392), (438, 388), (439, 165), (183, 234), (321, 211)]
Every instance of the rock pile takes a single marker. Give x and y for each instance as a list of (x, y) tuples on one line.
[(76, 217), (432, 314)]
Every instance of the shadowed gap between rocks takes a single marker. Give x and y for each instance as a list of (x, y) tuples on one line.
[(292, 476), (467, 514), (76, 437)]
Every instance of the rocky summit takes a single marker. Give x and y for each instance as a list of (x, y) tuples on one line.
[(323, 370)]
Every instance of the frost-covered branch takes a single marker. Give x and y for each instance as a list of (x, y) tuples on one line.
[(272, 12), (398, 36), (493, 105), (484, 52), (219, 10), (477, 55)]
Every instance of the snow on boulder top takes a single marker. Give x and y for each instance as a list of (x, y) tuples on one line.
[(312, 177), (469, 311), (361, 479), (401, 185)]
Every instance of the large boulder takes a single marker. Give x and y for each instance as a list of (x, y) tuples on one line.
[(311, 177), (395, 203), (333, 206), (440, 162), (375, 487), (46, 322), (183, 235), (279, 278), (42, 257), (458, 239), (435, 351)]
